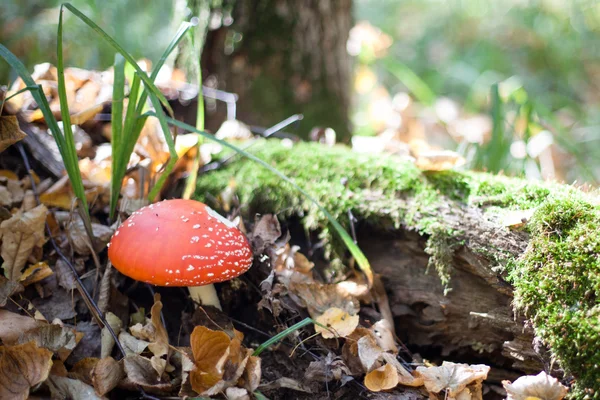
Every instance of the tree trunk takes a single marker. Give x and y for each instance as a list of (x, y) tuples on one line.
[(284, 57)]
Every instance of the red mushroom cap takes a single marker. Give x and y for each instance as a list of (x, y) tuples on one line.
[(179, 243)]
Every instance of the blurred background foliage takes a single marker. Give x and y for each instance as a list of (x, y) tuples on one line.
[(511, 85)]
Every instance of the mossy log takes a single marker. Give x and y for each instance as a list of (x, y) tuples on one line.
[(458, 278)]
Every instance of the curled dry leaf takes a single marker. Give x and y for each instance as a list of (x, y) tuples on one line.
[(339, 322), (67, 388), (369, 352), (382, 378), (252, 373), (210, 349), (19, 235), (139, 371), (10, 131), (107, 341), (131, 344), (540, 386), (21, 368), (107, 374), (327, 369), (453, 377), (318, 297), (220, 361)]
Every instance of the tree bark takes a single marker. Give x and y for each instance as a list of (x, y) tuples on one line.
[(284, 57)]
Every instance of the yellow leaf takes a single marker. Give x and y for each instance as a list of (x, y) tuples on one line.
[(86, 115), (21, 368), (35, 273), (9, 174), (339, 322), (382, 378), (10, 132), (438, 160)]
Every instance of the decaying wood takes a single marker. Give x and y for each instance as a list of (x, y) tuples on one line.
[(476, 316)]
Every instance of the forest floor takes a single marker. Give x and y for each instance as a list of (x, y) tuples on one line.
[(336, 334)]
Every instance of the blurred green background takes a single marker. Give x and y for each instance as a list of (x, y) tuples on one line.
[(511, 85)]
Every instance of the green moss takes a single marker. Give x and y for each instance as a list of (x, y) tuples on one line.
[(556, 281)]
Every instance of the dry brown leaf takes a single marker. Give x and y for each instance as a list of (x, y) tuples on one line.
[(404, 376), (210, 349), (56, 338), (235, 393), (252, 374), (285, 383), (131, 344), (369, 352), (339, 322), (540, 386), (20, 234), (35, 273), (7, 289), (80, 240), (107, 341), (318, 297), (67, 388), (160, 345), (139, 371), (21, 368), (10, 132), (107, 374), (384, 336), (326, 369), (82, 370), (13, 325), (220, 361), (382, 378), (452, 377)]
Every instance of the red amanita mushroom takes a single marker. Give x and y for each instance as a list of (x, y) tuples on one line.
[(180, 243)]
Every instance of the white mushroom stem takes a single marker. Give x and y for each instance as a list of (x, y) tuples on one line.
[(205, 295)]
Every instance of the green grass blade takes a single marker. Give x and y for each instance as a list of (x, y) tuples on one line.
[(133, 124), (416, 85), (358, 255), (37, 94), (26, 88), (259, 396), (282, 335), (162, 119), (176, 39), (149, 84), (117, 128), (69, 154)]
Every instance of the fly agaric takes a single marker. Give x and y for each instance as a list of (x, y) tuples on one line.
[(180, 243)]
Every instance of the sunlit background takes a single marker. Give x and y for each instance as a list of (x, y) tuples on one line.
[(512, 85)]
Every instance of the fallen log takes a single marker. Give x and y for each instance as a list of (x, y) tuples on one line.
[(461, 273)]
